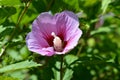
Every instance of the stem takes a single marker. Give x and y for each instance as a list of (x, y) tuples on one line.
[(16, 27), (19, 19), (61, 68), (79, 50)]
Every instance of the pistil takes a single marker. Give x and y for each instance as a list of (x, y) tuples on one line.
[(57, 43)]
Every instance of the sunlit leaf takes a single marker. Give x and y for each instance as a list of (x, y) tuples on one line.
[(70, 59), (105, 4), (10, 2), (7, 78), (1, 51), (68, 74), (101, 30), (90, 2), (19, 65), (56, 72)]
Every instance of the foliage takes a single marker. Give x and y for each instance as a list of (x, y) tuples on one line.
[(7, 78), (20, 65), (96, 57)]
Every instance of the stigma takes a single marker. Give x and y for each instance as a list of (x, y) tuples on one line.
[(57, 43)]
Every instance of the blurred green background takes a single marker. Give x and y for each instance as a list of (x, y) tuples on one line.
[(96, 57)]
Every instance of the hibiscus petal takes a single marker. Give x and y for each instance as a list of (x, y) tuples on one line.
[(67, 23), (72, 42), (37, 45), (48, 51), (44, 25)]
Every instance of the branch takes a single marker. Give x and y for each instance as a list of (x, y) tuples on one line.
[(16, 27)]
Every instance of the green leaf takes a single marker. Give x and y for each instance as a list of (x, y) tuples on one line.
[(56, 72), (5, 12), (7, 31), (1, 51), (68, 74), (101, 30), (20, 65), (90, 2), (28, 16), (70, 59), (60, 5), (7, 78), (73, 3), (10, 2), (1, 28), (105, 4)]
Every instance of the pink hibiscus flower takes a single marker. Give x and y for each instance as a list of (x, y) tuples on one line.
[(56, 34)]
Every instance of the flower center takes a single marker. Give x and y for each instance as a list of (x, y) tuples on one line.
[(57, 43)]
